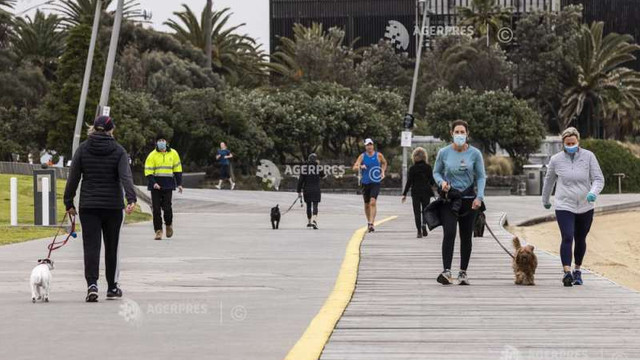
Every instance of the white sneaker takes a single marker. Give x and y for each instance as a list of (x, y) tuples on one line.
[(218, 186), (233, 186)]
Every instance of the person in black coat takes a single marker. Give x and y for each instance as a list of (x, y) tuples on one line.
[(103, 166), (309, 187), (420, 181)]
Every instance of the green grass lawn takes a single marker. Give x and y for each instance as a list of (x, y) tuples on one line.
[(26, 231)]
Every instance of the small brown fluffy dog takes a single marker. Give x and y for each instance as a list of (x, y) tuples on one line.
[(525, 263)]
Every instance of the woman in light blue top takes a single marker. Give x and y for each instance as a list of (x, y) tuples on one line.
[(458, 168), (579, 182)]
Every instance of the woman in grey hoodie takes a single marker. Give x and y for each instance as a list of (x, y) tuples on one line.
[(579, 182)]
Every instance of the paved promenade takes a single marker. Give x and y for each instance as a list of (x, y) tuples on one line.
[(228, 287)]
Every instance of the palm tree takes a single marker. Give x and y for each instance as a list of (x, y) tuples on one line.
[(40, 40), (5, 21), (76, 12), (485, 16), (232, 54), (601, 80)]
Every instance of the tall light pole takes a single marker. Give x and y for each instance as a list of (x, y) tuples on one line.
[(408, 123), (111, 58), (87, 78)]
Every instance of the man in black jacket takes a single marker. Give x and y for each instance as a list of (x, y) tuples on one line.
[(103, 166), (309, 187), (420, 181)]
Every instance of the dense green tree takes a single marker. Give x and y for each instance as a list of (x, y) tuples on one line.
[(235, 56), (21, 85), (315, 55), (496, 118), (486, 16), (383, 67), (5, 21), (20, 134), (601, 79), (39, 41)]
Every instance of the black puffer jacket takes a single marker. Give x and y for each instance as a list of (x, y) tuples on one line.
[(309, 182), (420, 180), (103, 165)]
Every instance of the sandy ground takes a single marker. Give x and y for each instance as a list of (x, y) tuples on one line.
[(613, 245)]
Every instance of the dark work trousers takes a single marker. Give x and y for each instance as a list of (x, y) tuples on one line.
[(420, 204), (449, 224), (98, 225), (573, 227), (312, 208), (161, 200)]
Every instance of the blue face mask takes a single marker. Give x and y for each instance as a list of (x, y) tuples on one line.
[(571, 149), (459, 139), (162, 145)]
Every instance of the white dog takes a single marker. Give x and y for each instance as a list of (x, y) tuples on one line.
[(40, 280)]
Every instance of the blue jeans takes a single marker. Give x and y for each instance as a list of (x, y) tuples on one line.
[(573, 227)]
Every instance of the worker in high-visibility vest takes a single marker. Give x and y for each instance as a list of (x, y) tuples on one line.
[(163, 171)]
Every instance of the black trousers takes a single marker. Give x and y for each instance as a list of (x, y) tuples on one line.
[(161, 202), (420, 204), (312, 208), (465, 223), (98, 225)]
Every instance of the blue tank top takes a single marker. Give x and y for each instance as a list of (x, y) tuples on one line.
[(373, 172)]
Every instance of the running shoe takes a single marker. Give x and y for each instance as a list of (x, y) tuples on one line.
[(567, 279), (218, 186), (462, 278), (314, 224), (169, 231), (309, 224), (233, 185), (92, 293), (371, 228), (577, 277), (158, 235), (444, 278), (114, 293)]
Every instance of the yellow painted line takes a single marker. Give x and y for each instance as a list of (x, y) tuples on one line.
[(312, 342)]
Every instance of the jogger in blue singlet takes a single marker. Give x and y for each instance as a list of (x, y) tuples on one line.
[(372, 166)]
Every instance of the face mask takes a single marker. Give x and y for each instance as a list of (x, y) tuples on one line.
[(162, 145), (459, 139), (571, 149)]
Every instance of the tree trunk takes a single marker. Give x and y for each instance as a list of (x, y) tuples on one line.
[(208, 29)]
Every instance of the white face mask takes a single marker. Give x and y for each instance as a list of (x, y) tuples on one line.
[(460, 139)]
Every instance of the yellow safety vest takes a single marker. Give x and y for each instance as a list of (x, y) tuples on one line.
[(163, 164)]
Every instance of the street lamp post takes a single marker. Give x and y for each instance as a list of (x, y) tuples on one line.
[(111, 58), (408, 123), (87, 78)]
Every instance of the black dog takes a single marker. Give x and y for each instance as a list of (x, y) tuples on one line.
[(275, 217)]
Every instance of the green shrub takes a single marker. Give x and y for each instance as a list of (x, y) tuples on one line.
[(615, 158), (498, 165)]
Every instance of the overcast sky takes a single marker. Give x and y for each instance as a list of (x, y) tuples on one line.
[(255, 13)]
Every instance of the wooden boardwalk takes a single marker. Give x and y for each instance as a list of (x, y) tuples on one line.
[(398, 311)]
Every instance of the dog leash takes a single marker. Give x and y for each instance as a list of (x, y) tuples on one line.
[(71, 233), (498, 241), (293, 204)]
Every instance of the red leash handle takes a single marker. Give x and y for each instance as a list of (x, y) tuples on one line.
[(72, 233)]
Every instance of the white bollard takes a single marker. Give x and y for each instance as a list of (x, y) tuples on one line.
[(14, 201), (45, 201)]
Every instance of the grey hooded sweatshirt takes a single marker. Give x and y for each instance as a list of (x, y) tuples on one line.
[(577, 176)]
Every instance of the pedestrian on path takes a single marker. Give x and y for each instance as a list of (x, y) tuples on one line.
[(421, 183), (459, 168), (224, 157), (309, 188), (372, 166), (103, 166), (576, 173), (163, 171)]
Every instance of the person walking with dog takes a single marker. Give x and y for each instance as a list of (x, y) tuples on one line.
[(224, 157), (103, 166), (421, 183), (579, 180), (372, 166), (309, 188), (163, 170), (458, 169)]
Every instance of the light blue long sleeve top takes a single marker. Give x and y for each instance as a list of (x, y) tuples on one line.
[(461, 169)]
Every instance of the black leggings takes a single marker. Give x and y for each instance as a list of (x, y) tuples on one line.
[(312, 208), (99, 225), (573, 227), (449, 223), (420, 204)]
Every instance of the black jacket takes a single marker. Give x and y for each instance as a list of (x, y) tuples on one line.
[(309, 182), (103, 165), (420, 180)]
